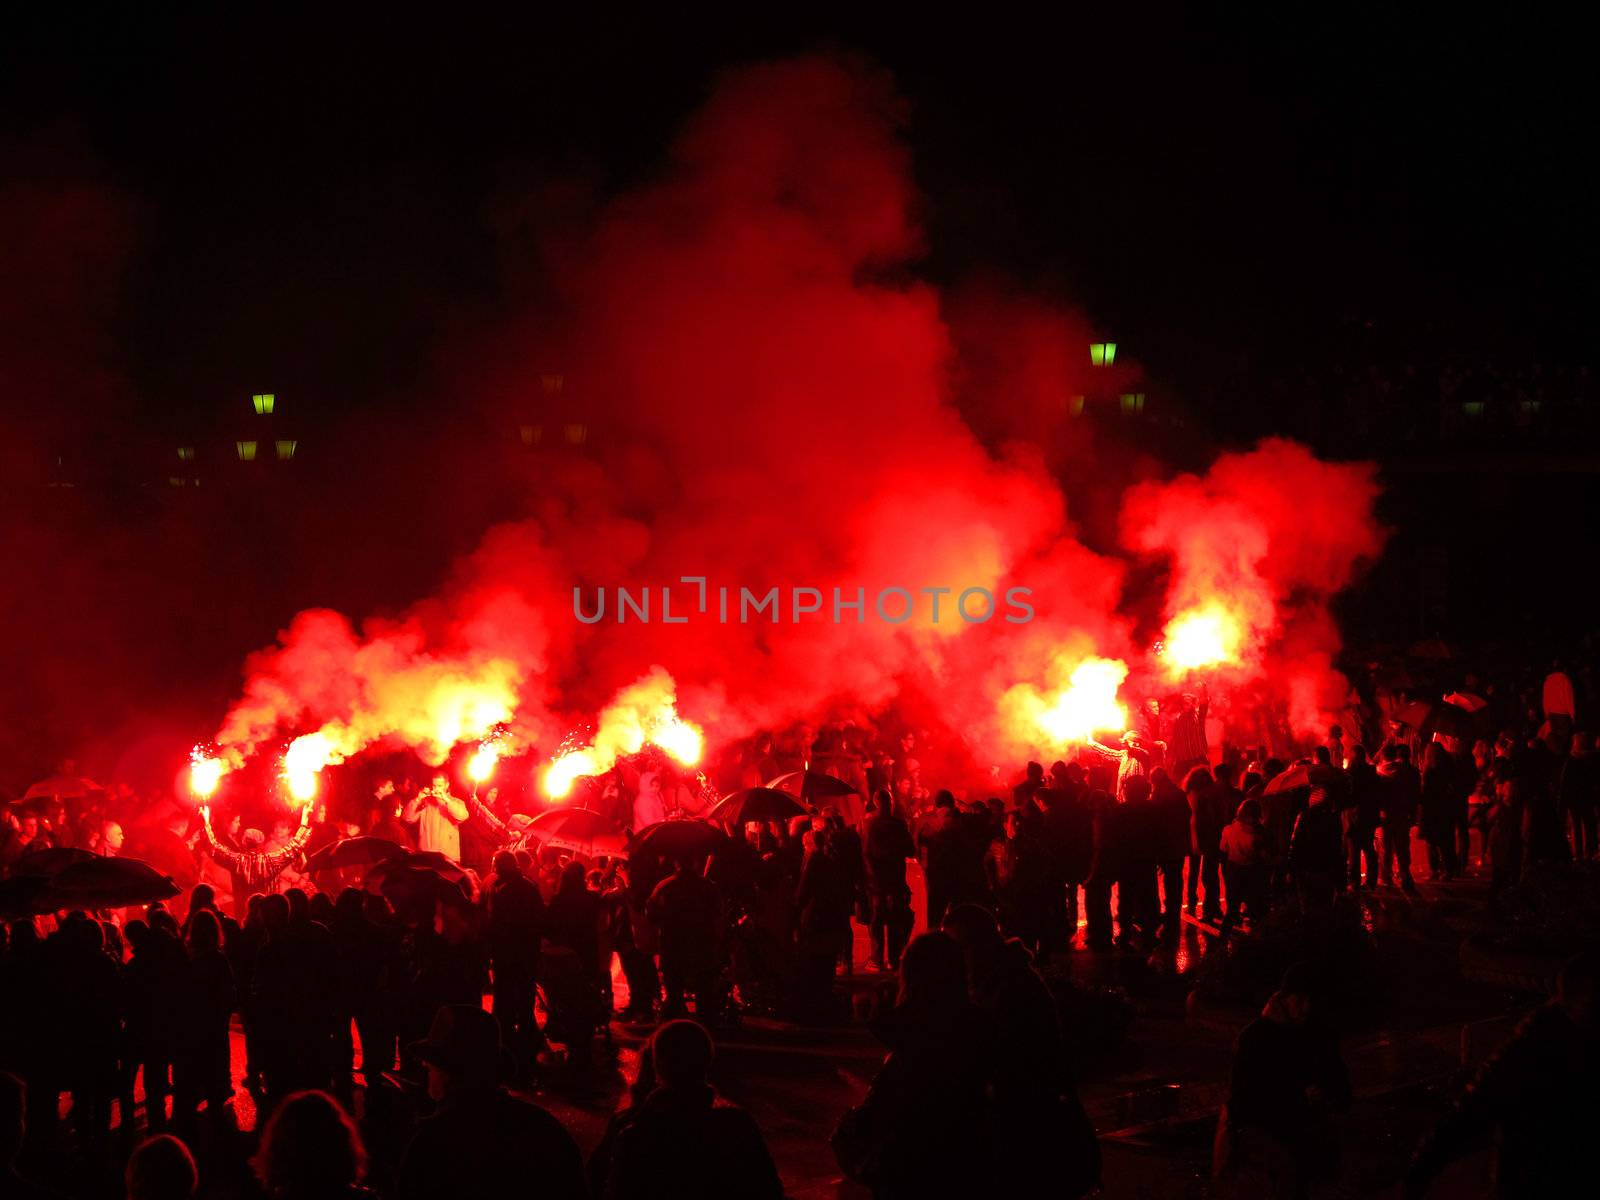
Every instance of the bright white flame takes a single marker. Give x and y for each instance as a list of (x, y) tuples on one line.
[(1206, 636), (303, 762), (481, 765), (205, 773), (564, 772), (679, 739)]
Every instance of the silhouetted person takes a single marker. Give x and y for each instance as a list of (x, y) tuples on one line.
[(924, 1128), (1207, 816), (1536, 1096), (1288, 1074), (572, 969), (1171, 827), (516, 922), (1362, 816), (1316, 851), (941, 845), (886, 846), (13, 1130), (311, 1150), (1040, 1127), (686, 911), (1401, 792), (161, 1168), (201, 1070), (1245, 865), (481, 1140), (684, 1140)]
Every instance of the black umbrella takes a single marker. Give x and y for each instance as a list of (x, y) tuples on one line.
[(46, 864), (354, 852), (109, 883), (405, 887), (812, 786), (756, 804), (679, 839), (428, 862)]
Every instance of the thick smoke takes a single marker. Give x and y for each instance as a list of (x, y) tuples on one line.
[(1271, 536), (772, 397)]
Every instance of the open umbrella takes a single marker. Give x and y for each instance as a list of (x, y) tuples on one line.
[(109, 883), (405, 887), (60, 787), (756, 804), (1413, 713), (429, 861), (679, 839), (580, 830), (47, 864), (811, 786), (354, 852), (1297, 776)]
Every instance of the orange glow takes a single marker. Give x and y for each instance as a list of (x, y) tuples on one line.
[(1073, 714), (644, 712), (481, 765), (678, 738), (561, 775), (303, 762), (205, 773), (1206, 636)]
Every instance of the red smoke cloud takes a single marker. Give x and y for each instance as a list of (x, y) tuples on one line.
[(772, 399), (1267, 538)]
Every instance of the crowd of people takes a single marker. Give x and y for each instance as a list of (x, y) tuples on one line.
[(352, 999)]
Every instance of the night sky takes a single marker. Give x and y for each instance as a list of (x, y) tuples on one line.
[(326, 203), (312, 192)]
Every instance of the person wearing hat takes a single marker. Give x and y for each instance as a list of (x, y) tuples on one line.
[(1136, 757), (1288, 1075), (253, 868), (481, 1140)]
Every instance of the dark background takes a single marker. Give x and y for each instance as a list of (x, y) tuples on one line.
[(1291, 227)]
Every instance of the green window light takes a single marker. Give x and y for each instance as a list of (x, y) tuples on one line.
[(285, 450), (247, 451), (1133, 402), (186, 453), (1102, 354), (264, 402)]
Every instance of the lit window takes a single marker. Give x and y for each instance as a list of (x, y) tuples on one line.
[(531, 435), (264, 402), (1530, 406), (285, 449), (175, 480), (577, 434), (1133, 402), (552, 384), (247, 451), (186, 453), (1473, 408), (1075, 405), (1102, 354)]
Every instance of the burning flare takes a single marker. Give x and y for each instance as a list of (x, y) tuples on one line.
[(1206, 636), (205, 773), (303, 762), (1087, 705), (643, 712), (481, 765)]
